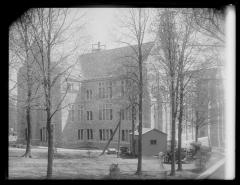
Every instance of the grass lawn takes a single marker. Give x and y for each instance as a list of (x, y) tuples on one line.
[(78, 164)]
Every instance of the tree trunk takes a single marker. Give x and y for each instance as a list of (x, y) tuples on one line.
[(139, 166), (50, 149), (196, 134), (28, 147), (173, 128), (133, 128), (180, 126)]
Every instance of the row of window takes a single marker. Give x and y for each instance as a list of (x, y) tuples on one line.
[(105, 113), (105, 90), (104, 134), (89, 134)]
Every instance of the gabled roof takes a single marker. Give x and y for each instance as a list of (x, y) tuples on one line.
[(146, 130), (105, 63)]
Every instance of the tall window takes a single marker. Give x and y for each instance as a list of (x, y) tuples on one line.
[(108, 111), (100, 134), (127, 114), (105, 90), (127, 135), (123, 135), (80, 134), (89, 115), (103, 134), (89, 134), (105, 112), (100, 90), (89, 94), (80, 112), (100, 112), (110, 89), (107, 134), (43, 134)]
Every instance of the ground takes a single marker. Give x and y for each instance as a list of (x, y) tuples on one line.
[(82, 164)]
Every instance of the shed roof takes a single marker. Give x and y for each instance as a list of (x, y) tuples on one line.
[(146, 130)]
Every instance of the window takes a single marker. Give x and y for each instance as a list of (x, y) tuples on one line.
[(128, 114), (107, 134), (110, 90), (100, 90), (126, 135), (123, 135), (105, 112), (100, 134), (153, 142), (89, 115), (89, 134), (80, 112), (100, 112), (80, 134), (105, 90), (103, 134), (89, 94), (43, 134), (108, 111)]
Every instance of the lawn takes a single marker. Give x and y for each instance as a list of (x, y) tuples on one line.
[(79, 164)]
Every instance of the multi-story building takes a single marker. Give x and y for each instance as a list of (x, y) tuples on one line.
[(93, 102), (209, 102)]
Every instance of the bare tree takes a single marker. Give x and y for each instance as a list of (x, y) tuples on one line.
[(176, 52), (135, 23), (20, 43), (49, 30), (210, 22)]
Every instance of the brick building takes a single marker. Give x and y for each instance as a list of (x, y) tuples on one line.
[(93, 101)]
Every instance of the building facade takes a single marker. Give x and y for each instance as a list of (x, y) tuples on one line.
[(92, 104), (210, 104)]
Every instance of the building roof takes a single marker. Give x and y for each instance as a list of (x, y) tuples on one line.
[(106, 63), (146, 130)]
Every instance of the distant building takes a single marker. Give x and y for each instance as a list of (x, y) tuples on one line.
[(210, 101), (153, 141)]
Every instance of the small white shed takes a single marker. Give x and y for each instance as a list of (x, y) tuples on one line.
[(153, 141)]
